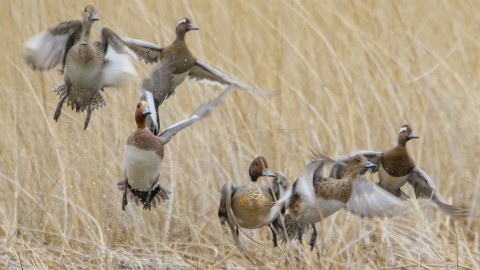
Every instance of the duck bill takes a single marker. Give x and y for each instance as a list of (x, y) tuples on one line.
[(146, 112), (93, 17), (266, 172), (192, 27), (412, 136), (368, 167)]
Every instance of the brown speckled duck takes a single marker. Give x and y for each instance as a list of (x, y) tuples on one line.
[(87, 66)]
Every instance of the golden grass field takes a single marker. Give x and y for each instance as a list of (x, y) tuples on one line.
[(351, 73)]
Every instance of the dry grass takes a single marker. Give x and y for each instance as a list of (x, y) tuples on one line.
[(351, 73)]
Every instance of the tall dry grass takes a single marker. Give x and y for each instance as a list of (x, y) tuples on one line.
[(350, 74)]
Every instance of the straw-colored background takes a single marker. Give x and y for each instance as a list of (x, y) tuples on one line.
[(350, 74)]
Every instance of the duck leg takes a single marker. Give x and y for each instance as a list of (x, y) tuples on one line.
[(148, 199), (58, 111), (89, 114), (314, 237), (125, 200), (274, 234)]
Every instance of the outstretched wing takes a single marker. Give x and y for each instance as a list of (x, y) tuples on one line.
[(199, 113), (425, 188), (204, 73), (49, 48), (143, 50), (370, 200)]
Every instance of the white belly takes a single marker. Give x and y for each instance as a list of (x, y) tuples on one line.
[(141, 167), (390, 183), (308, 214)]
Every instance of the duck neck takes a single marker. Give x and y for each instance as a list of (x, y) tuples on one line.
[(142, 123), (181, 37), (350, 176), (87, 26)]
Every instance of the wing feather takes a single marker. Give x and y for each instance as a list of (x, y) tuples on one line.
[(49, 48), (199, 113)]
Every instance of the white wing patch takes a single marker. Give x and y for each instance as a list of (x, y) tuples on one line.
[(151, 106), (117, 69)]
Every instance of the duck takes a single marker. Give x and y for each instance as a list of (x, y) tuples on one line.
[(253, 205), (144, 154), (87, 66), (173, 64), (396, 167), (315, 198)]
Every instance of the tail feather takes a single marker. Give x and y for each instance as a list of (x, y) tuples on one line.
[(453, 211)]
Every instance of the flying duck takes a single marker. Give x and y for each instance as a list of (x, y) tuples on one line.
[(87, 66), (174, 63), (396, 167), (314, 197)]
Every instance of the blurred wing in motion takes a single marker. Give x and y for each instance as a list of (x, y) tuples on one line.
[(370, 200), (425, 188), (303, 186), (204, 73), (280, 185), (143, 50), (49, 48), (118, 67), (199, 113)]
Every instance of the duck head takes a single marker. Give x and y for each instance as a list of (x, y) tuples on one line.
[(89, 14), (183, 26), (405, 134), (258, 168), (141, 114), (359, 164)]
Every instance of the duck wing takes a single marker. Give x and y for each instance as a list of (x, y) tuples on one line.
[(117, 68), (370, 200), (225, 213), (425, 188), (49, 48), (204, 73), (199, 113), (144, 50)]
